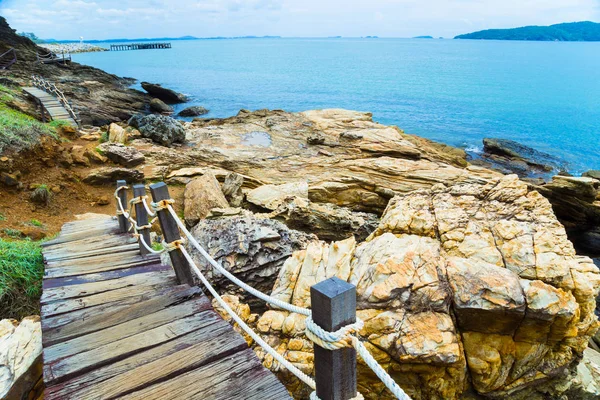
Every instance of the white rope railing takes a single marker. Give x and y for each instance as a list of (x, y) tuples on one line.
[(344, 337)]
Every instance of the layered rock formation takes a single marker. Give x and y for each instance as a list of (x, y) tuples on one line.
[(469, 286), (21, 359)]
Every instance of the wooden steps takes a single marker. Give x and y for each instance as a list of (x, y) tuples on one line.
[(51, 105), (115, 324)]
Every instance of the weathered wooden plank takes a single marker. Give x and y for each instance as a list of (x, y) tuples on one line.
[(89, 253), (64, 306), (50, 322), (110, 318), (239, 377), (96, 242), (213, 341), (87, 289), (128, 256), (69, 237), (118, 347), (102, 266), (126, 270), (132, 327)]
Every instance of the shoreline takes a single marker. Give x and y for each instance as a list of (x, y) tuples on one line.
[(72, 48)]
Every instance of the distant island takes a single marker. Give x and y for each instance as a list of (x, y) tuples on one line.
[(568, 32), (37, 40), (423, 37)]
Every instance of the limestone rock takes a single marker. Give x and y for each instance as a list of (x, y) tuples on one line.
[(200, 196), (592, 174), (95, 157), (271, 196), (119, 153), (20, 357), (168, 95), (467, 287), (79, 157), (193, 111), (251, 248), (327, 221), (232, 189), (109, 175), (160, 128), (586, 384), (116, 134)]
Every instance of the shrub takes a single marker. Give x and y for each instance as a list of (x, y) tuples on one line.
[(21, 272), (103, 137), (13, 233), (41, 195), (19, 131), (36, 222)]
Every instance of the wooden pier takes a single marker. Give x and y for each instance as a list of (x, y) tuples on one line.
[(139, 46)]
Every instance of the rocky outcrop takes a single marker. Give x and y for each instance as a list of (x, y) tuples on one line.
[(509, 156), (271, 196), (193, 111), (159, 106), (232, 189), (327, 221), (109, 175), (20, 358), (252, 248), (164, 94), (463, 286), (161, 129), (119, 153), (202, 195), (576, 202)]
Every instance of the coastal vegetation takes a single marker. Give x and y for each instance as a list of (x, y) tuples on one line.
[(21, 272), (568, 32), (18, 130)]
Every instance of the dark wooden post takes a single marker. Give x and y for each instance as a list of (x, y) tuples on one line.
[(170, 231), (123, 222), (333, 304), (141, 218)]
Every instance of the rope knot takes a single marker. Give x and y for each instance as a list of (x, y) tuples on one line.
[(161, 205), (174, 245), (339, 339), (137, 200)]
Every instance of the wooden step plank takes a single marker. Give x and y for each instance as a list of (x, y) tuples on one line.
[(102, 264), (132, 327), (96, 242), (65, 306), (85, 252), (118, 347), (239, 377), (69, 237), (109, 318), (51, 322), (120, 272), (212, 341), (128, 256), (87, 289)]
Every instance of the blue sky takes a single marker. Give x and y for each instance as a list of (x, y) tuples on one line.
[(104, 19)]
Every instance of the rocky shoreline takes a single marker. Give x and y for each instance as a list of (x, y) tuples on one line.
[(72, 48), (472, 282)]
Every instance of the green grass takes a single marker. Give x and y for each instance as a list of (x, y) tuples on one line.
[(13, 233), (59, 123), (2, 217), (36, 222), (21, 272), (157, 246), (18, 130)]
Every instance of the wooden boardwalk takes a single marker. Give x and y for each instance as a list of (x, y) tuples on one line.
[(51, 104), (116, 325)]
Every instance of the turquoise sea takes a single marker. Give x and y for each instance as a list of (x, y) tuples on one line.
[(543, 94)]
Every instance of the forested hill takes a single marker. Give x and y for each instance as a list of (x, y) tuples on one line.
[(567, 32)]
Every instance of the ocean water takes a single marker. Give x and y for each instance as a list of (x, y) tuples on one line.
[(543, 94)]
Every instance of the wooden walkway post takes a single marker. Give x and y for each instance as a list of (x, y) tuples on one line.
[(141, 218), (170, 231), (123, 222), (333, 304)]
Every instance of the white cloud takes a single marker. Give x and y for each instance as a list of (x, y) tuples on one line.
[(395, 18)]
